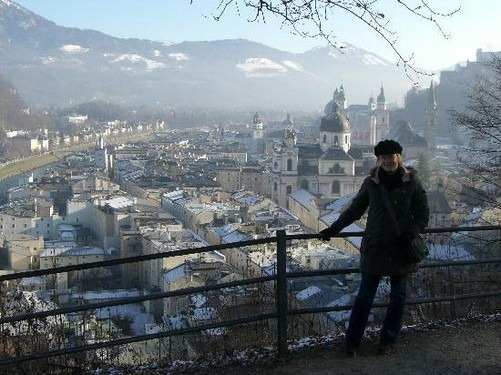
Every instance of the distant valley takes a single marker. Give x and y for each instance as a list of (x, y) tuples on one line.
[(52, 65)]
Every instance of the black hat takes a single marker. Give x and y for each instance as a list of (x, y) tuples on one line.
[(387, 147)]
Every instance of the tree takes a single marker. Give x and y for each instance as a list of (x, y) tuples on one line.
[(316, 18), (479, 123), (423, 168)]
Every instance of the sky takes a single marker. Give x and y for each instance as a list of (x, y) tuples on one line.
[(474, 26)]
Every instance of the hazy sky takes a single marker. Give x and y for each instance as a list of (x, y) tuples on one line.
[(475, 26)]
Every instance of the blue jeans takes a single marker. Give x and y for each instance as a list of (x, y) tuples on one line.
[(363, 303)]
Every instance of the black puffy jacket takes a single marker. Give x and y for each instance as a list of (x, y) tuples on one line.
[(380, 254)]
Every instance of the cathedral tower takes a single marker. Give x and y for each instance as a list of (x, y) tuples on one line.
[(382, 115), (285, 167)]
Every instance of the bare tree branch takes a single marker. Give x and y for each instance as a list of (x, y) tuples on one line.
[(317, 19), (480, 122)]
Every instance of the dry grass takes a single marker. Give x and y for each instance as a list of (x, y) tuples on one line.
[(15, 167)]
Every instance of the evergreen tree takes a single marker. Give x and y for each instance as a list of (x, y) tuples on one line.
[(424, 170)]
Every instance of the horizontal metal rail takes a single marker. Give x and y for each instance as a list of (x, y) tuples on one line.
[(134, 259), (173, 253), (132, 339), (281, 277), (129, 300)]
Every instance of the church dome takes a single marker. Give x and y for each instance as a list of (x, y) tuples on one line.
[(335, 122)]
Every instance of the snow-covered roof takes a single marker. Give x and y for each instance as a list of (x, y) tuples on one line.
[(304, 197), (308, 292), (448, 252), (118, 203), (247, 198), (98, 295), (198, 300), (59, 244), (225, 229), (340, 203), (340, 316), (65, 227), (236, 236), (120, 311), (77, 251), (175, 274), (205, 313), (32, 281)]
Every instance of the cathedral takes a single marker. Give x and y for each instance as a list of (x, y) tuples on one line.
[(334, 166)]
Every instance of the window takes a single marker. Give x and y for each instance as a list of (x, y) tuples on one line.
[(336, 188), (336, 140), (288, 190), (275, 187), (289, 164)]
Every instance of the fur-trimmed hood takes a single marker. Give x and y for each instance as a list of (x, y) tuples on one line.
[(409, 173)]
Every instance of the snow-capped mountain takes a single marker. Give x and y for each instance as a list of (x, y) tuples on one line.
[(54, 65)]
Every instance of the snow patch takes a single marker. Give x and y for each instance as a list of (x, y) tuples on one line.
[(166, 43), (49, 60), (134, 58), (261, 67), (369, 59), (292, 65), (73, 48), (178, 56)]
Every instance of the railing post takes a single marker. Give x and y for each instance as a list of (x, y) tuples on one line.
[(282, 293)]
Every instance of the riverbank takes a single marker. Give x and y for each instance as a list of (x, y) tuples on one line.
[(16, 167)]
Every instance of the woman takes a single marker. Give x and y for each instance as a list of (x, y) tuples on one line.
[(381, 248)]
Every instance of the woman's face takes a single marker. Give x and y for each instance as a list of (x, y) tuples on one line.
[(389, 163)]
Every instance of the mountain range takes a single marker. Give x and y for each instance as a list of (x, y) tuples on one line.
[(51, 65)]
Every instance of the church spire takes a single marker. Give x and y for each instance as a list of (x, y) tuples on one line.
[(431, 103), (430, 110)]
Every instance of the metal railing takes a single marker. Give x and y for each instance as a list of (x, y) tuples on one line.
[(281, 278)]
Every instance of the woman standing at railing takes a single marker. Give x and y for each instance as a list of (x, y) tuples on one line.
[(382, 246)]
